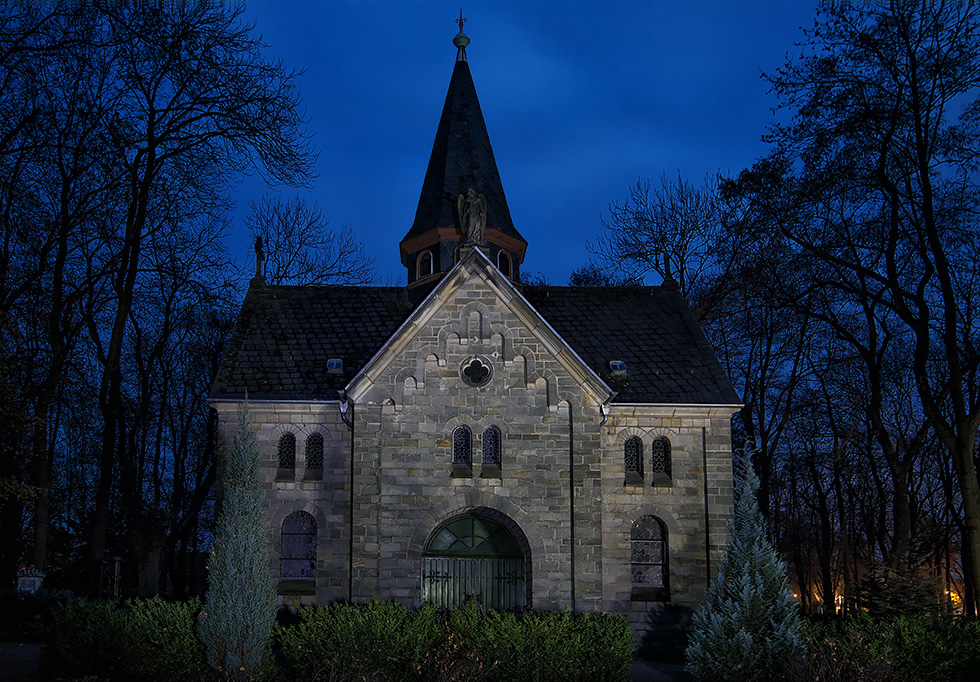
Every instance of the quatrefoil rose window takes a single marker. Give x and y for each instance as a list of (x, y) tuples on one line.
[(476, 371)]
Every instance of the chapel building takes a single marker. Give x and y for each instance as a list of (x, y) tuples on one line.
[(467, 438)]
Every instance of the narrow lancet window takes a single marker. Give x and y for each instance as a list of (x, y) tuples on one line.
[(491, 452), (297, 558), (314, 452), (633, 460), (462, 452), (287, 451), (660, 461)]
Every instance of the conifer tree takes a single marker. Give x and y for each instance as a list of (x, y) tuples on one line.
[(240, 605), (748, 628)]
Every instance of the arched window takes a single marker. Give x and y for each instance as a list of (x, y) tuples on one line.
[(491, 451), (462, 451), (297, 556), (425, 264), (314, 452), (503, 262), (648, 559), (633, 460), (660, 461), (287, 451)]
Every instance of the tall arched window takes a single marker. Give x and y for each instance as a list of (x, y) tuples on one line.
[(287, 451), (633, 460), (648, 559), (314, 452), (660, 461), (425, 265), (503, 263), (491, 452), (462, 451), (297, 555)]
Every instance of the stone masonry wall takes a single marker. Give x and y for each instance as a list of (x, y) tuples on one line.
[(324, 494), (403, 462), (697, 435)]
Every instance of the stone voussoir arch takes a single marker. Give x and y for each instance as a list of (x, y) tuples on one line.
[(475, 501), (649, 510), (493, 507), (279, 516)]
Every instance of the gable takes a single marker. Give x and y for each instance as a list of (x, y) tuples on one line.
[(476, 312)]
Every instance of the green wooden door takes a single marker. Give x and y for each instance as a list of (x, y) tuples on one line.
[(473, 558)]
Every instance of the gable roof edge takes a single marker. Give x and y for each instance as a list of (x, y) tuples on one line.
[(510, 297)]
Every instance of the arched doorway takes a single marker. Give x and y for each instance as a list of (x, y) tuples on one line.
[(471, 557)]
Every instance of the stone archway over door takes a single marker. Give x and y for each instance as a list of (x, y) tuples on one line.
[(470, 557)]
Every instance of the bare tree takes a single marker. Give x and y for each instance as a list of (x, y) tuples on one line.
[(669, 230), (886, 177), (301, 249)]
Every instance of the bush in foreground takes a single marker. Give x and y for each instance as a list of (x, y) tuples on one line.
[(385, 641), (149, 640), (862, 648)]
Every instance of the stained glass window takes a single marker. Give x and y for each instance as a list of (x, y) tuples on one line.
[(314, 451), (633, 455), (648, 552), (287, 451), (491, 445), (298, 555), (660, 456), (462, 445)]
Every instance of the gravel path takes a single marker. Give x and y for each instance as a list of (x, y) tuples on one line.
[(19, 661)]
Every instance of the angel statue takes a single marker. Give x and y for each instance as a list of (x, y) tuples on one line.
[(472, 216)]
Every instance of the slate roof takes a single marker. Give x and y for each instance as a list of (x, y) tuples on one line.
[(651, 329), (461, 158), (285, 335)]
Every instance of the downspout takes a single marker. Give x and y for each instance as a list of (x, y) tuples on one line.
[(604, 409), (571, 495), (346, 405), (707, 528)]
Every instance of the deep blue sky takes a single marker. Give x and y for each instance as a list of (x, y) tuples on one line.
[(581, 99)]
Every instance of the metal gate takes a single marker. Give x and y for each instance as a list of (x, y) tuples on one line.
[(470, 558), (495, 583)]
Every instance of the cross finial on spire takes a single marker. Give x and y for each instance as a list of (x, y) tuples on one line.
[(461, 40)]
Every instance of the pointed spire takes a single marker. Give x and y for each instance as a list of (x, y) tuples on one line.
[(461, 40), (461, 161)]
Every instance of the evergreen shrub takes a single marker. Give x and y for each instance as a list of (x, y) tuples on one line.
[(545, 646), (379, 640), (240, 605), (137, 640), (748, 627), (387, 642)]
